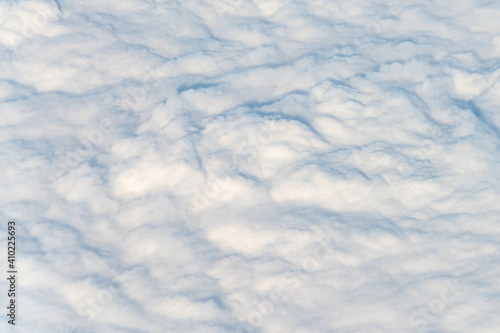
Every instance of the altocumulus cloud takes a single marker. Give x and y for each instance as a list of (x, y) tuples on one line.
[(252, 166)]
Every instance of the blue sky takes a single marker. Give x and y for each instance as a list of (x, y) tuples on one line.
[(259, 166)]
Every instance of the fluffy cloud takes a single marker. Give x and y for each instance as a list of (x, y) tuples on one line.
[(252, 166)]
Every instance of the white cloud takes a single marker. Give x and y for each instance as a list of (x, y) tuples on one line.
[(252, 166)]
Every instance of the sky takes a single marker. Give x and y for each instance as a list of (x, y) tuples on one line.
[(251, 166)]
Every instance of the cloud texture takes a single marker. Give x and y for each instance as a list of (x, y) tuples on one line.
[(252, 166)]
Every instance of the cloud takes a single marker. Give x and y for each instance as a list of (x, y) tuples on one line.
[(251, 166)]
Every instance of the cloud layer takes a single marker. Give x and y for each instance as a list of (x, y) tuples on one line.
[(252, 166)]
